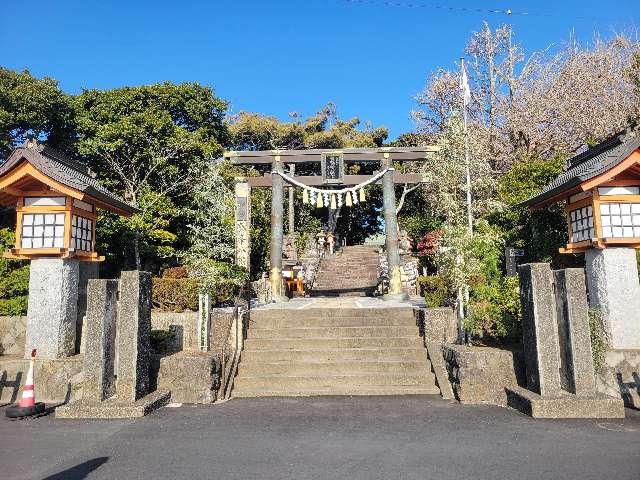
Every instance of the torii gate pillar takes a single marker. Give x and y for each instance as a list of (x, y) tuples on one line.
[(243, 224), (277, 213), (391, 230)]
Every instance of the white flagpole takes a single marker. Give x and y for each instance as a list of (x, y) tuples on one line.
[(463, 295), (465, 94)]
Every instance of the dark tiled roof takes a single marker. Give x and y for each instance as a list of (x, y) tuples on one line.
[(589, 164), (62, 169)]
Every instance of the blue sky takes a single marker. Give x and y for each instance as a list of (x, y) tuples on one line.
[(367, 57)]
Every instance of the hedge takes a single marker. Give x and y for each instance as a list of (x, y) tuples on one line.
[(175, 294), (14, 307), (180, 294), (435, 290)]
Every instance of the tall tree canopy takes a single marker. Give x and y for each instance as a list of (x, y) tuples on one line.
[(151, 144), (32, 107)]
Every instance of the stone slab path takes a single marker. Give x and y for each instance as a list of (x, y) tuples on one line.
[(368, 438)]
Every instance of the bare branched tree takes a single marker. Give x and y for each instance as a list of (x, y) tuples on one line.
[(136, 172), (541, 105)]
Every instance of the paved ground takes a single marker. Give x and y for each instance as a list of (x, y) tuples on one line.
[(323, 438)]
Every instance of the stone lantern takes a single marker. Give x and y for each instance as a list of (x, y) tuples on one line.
[(56, 200), (601, 190)]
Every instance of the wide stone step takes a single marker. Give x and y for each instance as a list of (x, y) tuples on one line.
[(257, 368), (359, 283), (333, 332), (364, 292), (304, 321), (335, 355), (331, 343), (314, 312), (348, 280), (314, 392), (277, 382)]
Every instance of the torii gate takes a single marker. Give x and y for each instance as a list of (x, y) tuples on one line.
[(332, 163)]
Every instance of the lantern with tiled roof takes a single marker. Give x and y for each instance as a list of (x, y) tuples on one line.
[(56, 200), (601, 188)]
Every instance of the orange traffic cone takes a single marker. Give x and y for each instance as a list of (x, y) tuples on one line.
[(28, 393), (27, 405)]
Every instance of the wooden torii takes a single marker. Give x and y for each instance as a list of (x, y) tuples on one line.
[(332, 165)]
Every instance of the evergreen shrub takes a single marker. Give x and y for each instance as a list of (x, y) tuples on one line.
[(435, 290), (14, 280), (495, 311), (175, 294)]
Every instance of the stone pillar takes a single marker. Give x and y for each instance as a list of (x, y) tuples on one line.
[(557, 348), (277, 198), (243, 225), (52, 311), (204, 321), (576, 358), (100, 339), (290, 210), (539, 329), (133, 344), (614, 289), (391, 230), (87, 271)]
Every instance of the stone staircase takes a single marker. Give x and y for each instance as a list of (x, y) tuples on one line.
[(353, 271), (333, 351)]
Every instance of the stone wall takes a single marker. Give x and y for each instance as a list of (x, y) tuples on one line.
[(441, 325), (409, 271), (184, 325), (480, 374), (620, 376), (57, 380), (13, 331)]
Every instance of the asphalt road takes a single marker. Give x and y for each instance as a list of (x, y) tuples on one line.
[(410, 437)]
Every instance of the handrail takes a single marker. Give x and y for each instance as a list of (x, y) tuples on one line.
[(228, 380)]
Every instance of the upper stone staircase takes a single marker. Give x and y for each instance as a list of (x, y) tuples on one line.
[(333, 350), (353, 271)]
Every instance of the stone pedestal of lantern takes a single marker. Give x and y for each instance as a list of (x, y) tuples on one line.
[(52, 311), (614, 290)]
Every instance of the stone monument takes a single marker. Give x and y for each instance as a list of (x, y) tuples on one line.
[(557, 348), (117, 330)]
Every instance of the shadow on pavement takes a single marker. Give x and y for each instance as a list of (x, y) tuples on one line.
[(79, 471)]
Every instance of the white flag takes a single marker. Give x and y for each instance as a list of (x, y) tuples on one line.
[(464, 84)]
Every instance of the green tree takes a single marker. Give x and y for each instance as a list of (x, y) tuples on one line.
[(542, 232), (14, 279), (211, 229), (151, 144), (32, 106)]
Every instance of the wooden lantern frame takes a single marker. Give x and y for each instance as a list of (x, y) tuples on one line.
[(34, 171), (69, 210), (587, 194)]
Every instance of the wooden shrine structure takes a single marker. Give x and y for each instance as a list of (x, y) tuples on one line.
[(333, 176)]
